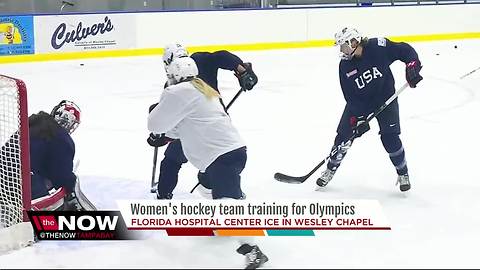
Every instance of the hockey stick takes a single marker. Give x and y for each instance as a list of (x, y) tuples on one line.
[(153, 187), (226, 109), (469, 73), (234, 98), (300, 179), (193, 189)]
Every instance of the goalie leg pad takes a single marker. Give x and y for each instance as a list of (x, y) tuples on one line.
[(52, 202)]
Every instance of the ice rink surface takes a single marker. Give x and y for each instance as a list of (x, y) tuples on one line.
[(288, 121)]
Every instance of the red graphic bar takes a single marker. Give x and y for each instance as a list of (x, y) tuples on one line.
[(49, 223), (189, 232), (37, 223), (262, 228)]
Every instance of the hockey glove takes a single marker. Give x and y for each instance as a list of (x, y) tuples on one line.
[(247, 79), (359, 125), (413, 73), (157, 140)]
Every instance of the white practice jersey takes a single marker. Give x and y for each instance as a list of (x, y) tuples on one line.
[(201, 124)]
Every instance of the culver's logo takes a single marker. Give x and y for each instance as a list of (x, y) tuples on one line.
[(61, 35)]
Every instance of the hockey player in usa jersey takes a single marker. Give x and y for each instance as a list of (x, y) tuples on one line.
[(367, 82)]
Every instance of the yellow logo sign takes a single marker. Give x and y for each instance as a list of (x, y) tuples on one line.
[(9, 34)]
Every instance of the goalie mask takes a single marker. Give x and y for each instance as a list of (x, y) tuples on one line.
[(67, 115), (345, 39)]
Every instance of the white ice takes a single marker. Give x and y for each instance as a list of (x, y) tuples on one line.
[(289, 122)]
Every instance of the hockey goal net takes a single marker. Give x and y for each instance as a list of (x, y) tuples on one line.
[(15, 193)]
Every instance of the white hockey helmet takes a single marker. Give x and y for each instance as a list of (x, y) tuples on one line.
[(183, 68), (172, 51), (67, 115), (344, 39)]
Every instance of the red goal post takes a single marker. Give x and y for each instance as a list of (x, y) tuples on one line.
[(15, 188)]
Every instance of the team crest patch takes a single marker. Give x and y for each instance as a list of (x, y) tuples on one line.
[(351, 73), (382, 42)]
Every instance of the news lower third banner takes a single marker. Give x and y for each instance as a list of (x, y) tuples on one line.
[(210, 218), (252, 217)]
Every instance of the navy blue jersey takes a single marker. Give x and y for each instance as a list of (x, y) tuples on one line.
[(209, 63), (53, 159), (367, 81)]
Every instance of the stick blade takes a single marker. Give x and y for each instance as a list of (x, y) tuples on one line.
[(289, 179)]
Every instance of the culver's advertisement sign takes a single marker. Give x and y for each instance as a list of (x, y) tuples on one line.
[(88, 32)]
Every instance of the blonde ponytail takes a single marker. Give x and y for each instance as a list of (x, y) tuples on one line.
[(204, 88)]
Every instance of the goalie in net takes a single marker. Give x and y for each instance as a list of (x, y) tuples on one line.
[(52, 149)]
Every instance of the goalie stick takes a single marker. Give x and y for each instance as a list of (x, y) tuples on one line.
[(82, 199), (153, 187), (300, 179)]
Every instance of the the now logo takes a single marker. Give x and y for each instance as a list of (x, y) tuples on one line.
[(87, 223), (79, 225)]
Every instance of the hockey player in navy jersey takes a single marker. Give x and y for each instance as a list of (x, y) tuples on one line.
[(208, 65), (367, 82), (52, 150)]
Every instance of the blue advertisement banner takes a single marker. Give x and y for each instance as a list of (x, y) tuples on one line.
[(16, 35)]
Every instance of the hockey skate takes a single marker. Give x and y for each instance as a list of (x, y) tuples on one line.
[(167, 196), (404, 182), (326, 177), (254, 256)]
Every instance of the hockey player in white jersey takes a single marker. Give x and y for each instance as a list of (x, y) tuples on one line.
[(190, 110), (208, 65)]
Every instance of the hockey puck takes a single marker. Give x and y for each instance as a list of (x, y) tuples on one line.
[(81, 65), (437, 54), (455, 46)]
